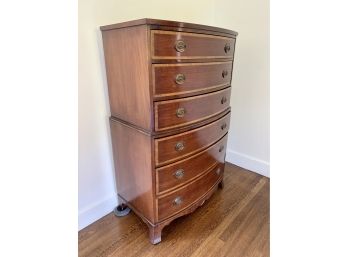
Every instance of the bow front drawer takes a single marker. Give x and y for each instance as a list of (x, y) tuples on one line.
[(170, 45), (169, 86), (171, 80), (179, 146), (179, 173), (189, 194), (180, 112)]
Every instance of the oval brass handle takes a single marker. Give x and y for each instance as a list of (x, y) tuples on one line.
[(221, 148), (179, 173), (180, 112), (180, 79), (227, 47), (179, 146), (223, 126), (218, 170), (180, 46), (177, 200), (223, 100), (224, 73)]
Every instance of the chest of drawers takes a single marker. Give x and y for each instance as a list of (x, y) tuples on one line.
[(169, 87)]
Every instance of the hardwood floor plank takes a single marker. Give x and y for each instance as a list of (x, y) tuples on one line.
[(246, 227), (249, 213), (260, 245), (233, 222), (106, 238), (210, 241)]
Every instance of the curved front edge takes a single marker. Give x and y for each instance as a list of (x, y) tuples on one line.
[(155, 230)]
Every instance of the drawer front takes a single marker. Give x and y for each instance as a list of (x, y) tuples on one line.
[(187, 195), (168, 45), (175, 175), (180, 112), (179, 146), (192, 78)]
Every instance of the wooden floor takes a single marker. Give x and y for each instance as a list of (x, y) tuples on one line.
[(233, 222)]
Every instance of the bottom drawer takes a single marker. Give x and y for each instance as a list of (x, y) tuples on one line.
[(184, 197)]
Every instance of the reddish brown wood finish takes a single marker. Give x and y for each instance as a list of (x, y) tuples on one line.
[(156, 230), (196, 108), (133, 166), (156, 24), (198, 46), (142, 64), (127, 69), (199, 78), (188, 193), (194, 141), (167, 133), (167, 177), (189, 30)]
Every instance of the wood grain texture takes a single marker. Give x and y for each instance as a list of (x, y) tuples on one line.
[(127, 69), (165, 133), (158, 119), (133, 168), (169, 24), (198, 46), (233, 222), (194, 141), (191, 30), (188, 194), (192, 167), (196, 108), (155, 231), (199, 78)]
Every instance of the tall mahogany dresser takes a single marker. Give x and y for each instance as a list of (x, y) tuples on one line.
[(169, 89)]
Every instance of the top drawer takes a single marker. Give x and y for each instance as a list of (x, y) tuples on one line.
[(169, 45)]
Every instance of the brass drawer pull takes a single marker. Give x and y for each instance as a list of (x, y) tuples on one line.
[(180, 112), (221, 148), (179, 173), (180, 79), (218, 170), (177, 200), (179, 146), (224, 73), (227, 47), (223, 126), (180, 46), (223, 100)]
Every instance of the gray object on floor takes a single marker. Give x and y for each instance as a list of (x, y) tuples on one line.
[(121, 210)]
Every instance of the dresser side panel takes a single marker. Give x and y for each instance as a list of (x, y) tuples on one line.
[(133, 167), (126, 58)]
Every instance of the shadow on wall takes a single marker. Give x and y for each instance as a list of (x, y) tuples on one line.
[(106, 97)]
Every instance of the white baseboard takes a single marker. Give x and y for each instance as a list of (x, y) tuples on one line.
[(96, 211), (248, 162)]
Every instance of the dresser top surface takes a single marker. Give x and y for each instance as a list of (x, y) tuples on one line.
[(156, 22)]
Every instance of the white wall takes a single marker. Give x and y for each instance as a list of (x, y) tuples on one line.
[(97, 189), (248, 141), (248, 144)]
